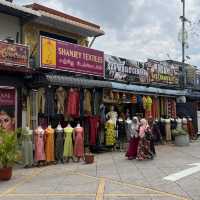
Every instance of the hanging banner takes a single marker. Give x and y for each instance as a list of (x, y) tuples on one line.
[(121, 69), (13, 54), (61, 55), (7, 109), (163, 72)]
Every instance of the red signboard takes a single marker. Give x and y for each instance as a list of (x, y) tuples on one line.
[(13, 54), (70, 57)]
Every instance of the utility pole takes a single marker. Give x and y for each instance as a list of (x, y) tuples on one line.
[(183, 44)]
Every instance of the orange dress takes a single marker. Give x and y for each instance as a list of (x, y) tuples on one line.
[(49, 144), (79, 143)]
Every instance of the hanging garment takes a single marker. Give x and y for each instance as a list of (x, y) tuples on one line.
[(73, 103), (110, 133), (41, 100), (173, 107), (49, 144), (94, 129), (97, 98), (79, 143), (59, 144), (168, 129), (49, 103), (68, 146), (103, 113), (87, 102), (27, 147), (60, 97), (81, 103), (39, 145)]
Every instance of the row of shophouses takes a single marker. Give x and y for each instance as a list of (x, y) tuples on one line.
[(41, 48)]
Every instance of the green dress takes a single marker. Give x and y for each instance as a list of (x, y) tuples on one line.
[(27, 147), (68, 146)]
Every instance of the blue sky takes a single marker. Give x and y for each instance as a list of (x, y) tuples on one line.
[(137, 29)]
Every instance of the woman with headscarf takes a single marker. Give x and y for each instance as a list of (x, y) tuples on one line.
[(143, 151), (133, 142)]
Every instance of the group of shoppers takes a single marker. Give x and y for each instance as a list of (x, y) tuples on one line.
[(141, 144)]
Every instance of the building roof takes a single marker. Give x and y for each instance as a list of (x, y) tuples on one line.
[(62, 21), (16, 10)]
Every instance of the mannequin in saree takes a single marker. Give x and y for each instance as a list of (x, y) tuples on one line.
[(112, 115), (68, 145), (79, 142), (59, 143)]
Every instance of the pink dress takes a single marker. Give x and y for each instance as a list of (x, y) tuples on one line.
[(79, 144), (39, 145)]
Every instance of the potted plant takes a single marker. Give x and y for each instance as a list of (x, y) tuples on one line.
[(181, 137), (8, 153)]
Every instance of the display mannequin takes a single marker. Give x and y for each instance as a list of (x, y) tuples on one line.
[(168, 129), (121, 135), (184, 124), (79, 142), (110, 133), (68, 145), (59, 143), (179, 123), (128, 128), (39, 145), (27, 147), (112, 115), (49, 144), (60, 97)]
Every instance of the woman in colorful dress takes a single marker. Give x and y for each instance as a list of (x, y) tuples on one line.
[(143, 151)]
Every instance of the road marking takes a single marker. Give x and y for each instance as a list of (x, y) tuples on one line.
[(101, 188), (183, 173)]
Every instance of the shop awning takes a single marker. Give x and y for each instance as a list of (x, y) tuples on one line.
[(76, 82), (148, 90)]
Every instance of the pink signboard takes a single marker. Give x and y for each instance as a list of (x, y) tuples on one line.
[(60, 55)]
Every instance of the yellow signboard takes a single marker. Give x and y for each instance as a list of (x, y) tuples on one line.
[(48, 52)]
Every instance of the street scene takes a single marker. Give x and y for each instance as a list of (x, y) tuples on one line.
[(99, 100)]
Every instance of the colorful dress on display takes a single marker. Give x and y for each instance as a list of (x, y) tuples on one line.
[(73, 104), (27, 147), (59, 144), (94, 129), (110, 133), (49, 144), (87, 102), (39, 145), (79, 142), (68, 146)]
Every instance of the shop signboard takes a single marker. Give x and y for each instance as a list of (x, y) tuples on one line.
[(7, 108), (13, 54), (121, 69), (59, 55), (163, 72)]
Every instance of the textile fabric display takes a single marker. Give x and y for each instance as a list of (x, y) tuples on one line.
[(79, 142), (59, 144), (110, 133), (49, 103), (81, 103), (27, 147), (173, 107), (39, 145), (87, 102), (60, 97), (97, 101), (68, 146), (49, 144), (41, 100), (73, 103)]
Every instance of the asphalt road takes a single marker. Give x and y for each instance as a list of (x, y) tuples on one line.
[(110, 177)]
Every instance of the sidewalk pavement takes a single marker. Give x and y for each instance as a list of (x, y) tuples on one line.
[(110, 177)]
